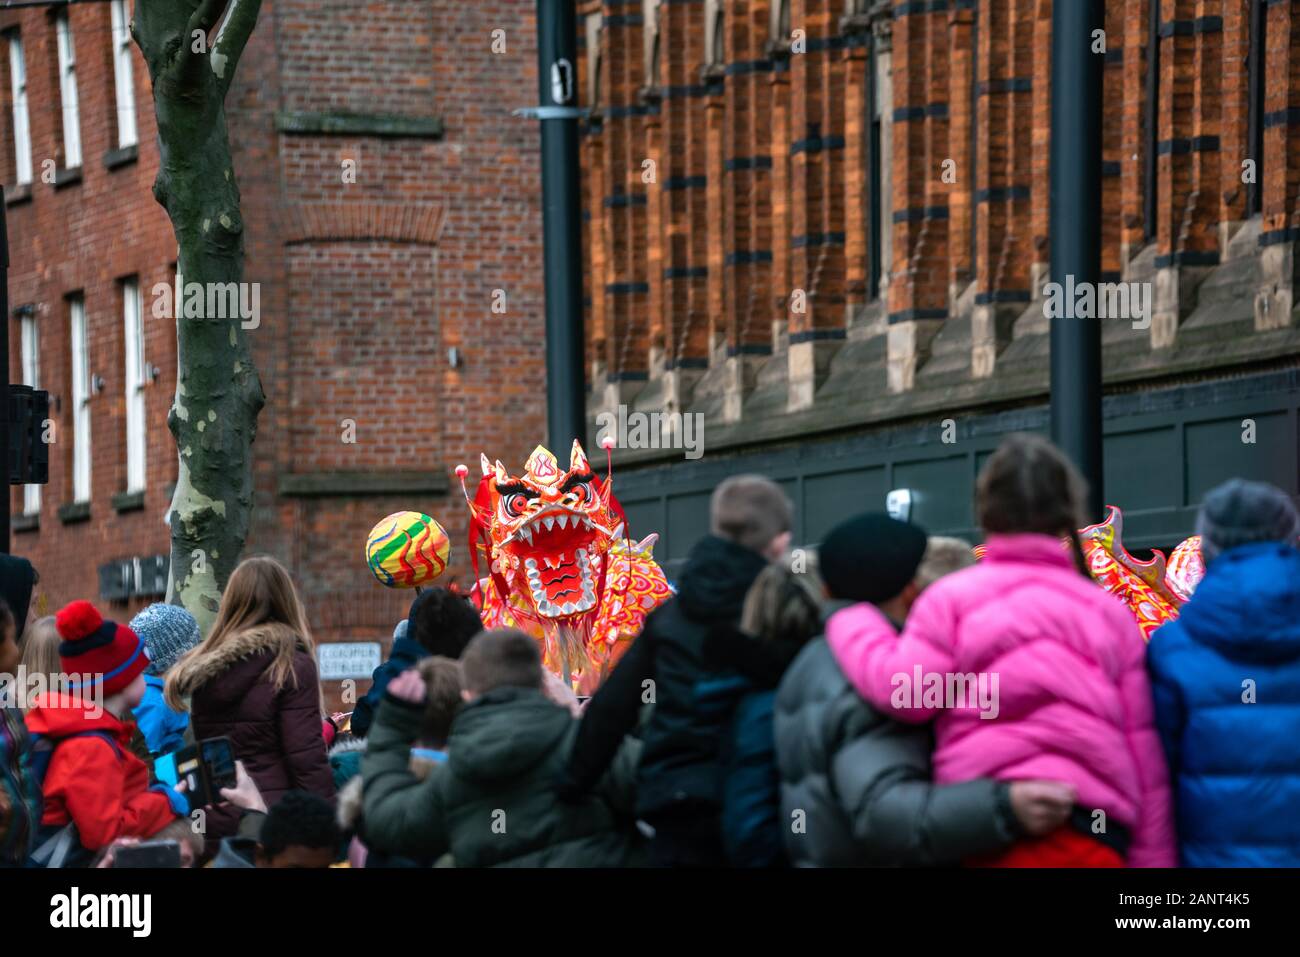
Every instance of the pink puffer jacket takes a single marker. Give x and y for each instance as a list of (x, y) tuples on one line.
[(1063, 671)]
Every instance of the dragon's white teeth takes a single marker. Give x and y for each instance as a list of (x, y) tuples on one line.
[(539, 597), (586, 523), (549, 523), (563, 521), (530, 563), (526, 534)]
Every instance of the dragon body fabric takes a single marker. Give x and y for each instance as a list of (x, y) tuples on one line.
[(1155, 590), (559, 565)]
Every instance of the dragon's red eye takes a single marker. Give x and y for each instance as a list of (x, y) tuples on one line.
[(516, 504), (582, 493)]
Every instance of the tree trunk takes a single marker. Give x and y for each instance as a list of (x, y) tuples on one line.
[(218, 394)]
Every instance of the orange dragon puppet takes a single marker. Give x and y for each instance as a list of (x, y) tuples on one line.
[(559, 564), (1154, 591)]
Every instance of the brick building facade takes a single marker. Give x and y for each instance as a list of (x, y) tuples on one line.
[(387, 191), (821, 217)]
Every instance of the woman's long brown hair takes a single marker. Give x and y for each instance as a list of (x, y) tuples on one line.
[(260, 596)]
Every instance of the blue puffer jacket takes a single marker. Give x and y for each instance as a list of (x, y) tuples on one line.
[(1226, 684)]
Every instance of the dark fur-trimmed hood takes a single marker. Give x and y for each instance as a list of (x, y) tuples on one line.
[(201, 666)]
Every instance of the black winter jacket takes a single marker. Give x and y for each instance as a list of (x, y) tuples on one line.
[(855, 784), (681, 769)]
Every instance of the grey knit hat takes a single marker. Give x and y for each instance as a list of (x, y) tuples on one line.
[(1239, 512), (168, 631)]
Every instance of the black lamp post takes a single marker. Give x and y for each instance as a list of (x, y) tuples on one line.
[(1075, 214), (557, 47)]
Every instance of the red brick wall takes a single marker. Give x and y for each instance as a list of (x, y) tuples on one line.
[(764, 102), (84, 238), (1281, 176), (364, 285)]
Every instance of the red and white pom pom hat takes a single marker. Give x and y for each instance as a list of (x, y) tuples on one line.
[(97, 651)]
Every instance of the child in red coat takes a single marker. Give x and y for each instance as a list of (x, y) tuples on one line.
[(93, 780)]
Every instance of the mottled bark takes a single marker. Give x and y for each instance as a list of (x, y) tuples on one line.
[(218, 394)]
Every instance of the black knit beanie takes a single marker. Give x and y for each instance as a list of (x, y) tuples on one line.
[(870, 557)]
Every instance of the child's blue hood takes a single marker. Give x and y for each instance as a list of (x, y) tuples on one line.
[(407, 650), (1248, 605)]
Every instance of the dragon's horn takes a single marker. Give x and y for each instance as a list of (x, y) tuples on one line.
[(578, 458)]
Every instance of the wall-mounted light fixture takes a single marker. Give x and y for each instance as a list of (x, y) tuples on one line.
[(899, 502), (96, 384), (454, 357)]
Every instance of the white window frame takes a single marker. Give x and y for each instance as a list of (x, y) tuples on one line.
[(31, 358), (136, 422), (68, 92), (123, 78), (21, 121), (80, 400)]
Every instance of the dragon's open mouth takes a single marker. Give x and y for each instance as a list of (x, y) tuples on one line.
[(562, 567)]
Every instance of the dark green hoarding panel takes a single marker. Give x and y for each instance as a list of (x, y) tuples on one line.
[(1258, 446), (829, 499), (1142, 468), (1163, 450)]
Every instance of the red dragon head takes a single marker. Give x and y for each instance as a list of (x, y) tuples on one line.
[(546, 532)]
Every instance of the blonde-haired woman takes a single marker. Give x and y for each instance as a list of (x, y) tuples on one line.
[(254, 680), (40, 650)]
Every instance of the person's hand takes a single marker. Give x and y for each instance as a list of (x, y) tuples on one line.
[(1041, 806), (107, 859), (408, 687), (559, 691), (245, 793)]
